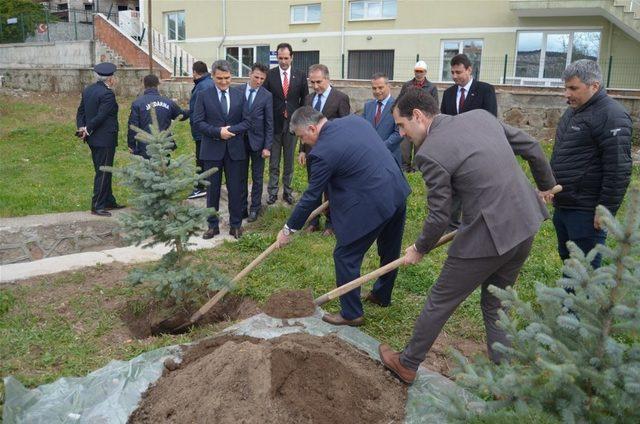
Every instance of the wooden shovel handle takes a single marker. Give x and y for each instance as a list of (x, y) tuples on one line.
[(222, 292), (556, 189), (346, 288)]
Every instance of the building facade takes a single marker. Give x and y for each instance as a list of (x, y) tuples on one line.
[(520, 42)]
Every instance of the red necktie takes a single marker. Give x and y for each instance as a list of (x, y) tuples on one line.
[(376, 118), (461, 102), (285, 90)]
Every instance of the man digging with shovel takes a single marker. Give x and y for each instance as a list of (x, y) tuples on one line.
[(471, 154), (368, 195)]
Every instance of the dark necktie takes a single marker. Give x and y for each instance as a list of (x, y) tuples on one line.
[(252, 94), (376, 119), (224, 104), (318, 105), (461, 102)]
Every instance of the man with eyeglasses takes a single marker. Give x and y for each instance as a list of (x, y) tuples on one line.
[(420, 82), (332, 103)]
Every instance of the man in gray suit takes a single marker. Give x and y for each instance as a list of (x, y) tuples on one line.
[(473, 155)]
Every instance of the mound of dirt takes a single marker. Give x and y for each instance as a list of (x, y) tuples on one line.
[(142, 321), (297, 378), (290, 304)]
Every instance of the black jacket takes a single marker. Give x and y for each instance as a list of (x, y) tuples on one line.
[(428, 88), (166, 110), (481, 95), (98, 111), (592, 155)]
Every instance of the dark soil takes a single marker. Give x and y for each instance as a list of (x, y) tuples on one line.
[(296, 378), (141, 322), (290, 304)]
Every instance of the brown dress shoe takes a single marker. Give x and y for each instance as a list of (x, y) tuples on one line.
[(211, 233), (311, 229), (371, 298), (391, 360), (337, 319), (236, 232), (328, 232)]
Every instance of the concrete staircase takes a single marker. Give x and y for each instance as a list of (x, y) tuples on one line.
[(105, 54), (623, 13)]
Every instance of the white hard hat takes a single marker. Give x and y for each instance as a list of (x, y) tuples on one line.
[(420, 65)]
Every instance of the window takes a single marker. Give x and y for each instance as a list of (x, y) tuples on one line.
[(364, 63), (372, 9), (242, 58), (305, 14), (303, 59), (450, 48), (545, 54), (174, 26)]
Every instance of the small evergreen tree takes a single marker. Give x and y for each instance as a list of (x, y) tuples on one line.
[(577, 356), (161, 215)]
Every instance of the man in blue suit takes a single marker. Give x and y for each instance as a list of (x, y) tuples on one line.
[(368, 194), (218, 117), (201, 82), (97, 122), (378, 113), (258, 139)]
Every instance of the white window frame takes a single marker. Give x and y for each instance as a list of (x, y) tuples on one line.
[(460, 42), (543, 52), (166, 25), (306, 13), (366, 10)]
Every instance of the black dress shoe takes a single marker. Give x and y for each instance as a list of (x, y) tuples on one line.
[(115, 206), (337, 319), (253, 216), (245, 215), (100, 212), (236, 232), (272, 199), (289, 199), (211, 233)]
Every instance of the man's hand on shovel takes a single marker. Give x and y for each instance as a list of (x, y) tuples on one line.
[(412, 256), (283, 238)]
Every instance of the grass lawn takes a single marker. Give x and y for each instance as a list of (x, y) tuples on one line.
[(44, 169)]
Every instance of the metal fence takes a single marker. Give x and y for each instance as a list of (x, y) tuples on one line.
[(75, 24)]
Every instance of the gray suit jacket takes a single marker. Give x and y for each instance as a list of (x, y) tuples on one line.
[(473, 155)]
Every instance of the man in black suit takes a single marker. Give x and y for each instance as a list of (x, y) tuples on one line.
[(258, 139), (97, 122), (333, 104), (218, 117), (466, 94), (288, 88)]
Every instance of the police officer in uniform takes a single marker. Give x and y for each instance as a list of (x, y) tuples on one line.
[(166, 110), (97, 122)]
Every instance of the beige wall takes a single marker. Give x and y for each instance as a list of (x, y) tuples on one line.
[(419, 29)]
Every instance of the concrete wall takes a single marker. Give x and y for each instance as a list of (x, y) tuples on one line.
[(63, 31), (71, 54), (69, 80)]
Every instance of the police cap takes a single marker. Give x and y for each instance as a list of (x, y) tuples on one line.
[(105, 69)]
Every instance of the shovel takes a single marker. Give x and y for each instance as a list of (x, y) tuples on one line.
[(346, 288), (171, 326)]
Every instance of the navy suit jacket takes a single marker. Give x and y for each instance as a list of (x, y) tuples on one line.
[(386, 128), (481, 95), (98, 111), (201, 84), (364, 181), (209, 119), (260, 116)]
